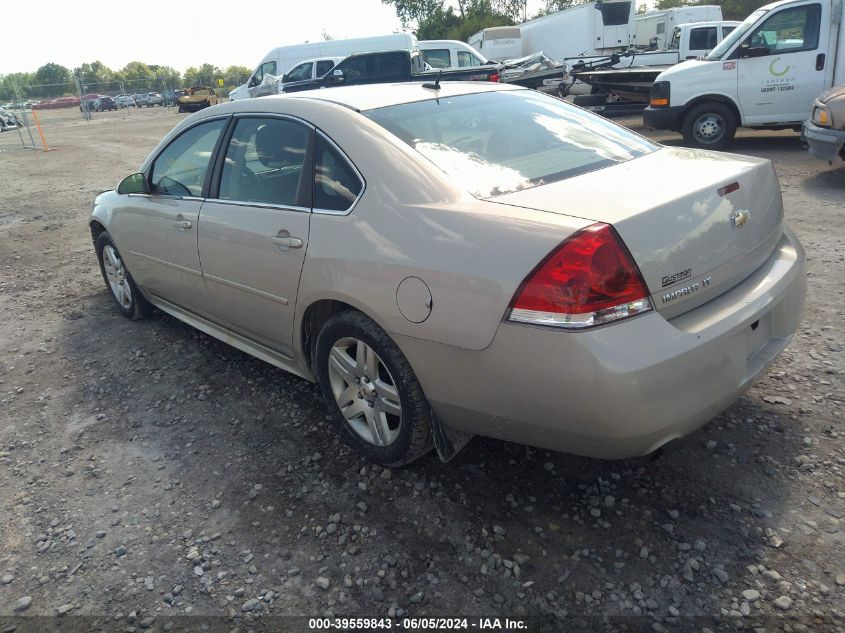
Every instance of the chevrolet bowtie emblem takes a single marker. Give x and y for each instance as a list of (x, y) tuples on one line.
[(740, 218)]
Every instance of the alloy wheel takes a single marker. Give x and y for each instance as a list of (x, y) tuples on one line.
[(117, 278), (365, 391)]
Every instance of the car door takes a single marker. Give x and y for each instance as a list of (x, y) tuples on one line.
[(254, 233), (782, 64), (157, 232), (257, 85)]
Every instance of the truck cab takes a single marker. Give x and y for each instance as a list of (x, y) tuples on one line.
[(765, 74), (697, 39)]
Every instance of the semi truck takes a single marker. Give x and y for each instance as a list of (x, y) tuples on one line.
[(764, 75)]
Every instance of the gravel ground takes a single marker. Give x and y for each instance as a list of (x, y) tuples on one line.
[(149, 471)]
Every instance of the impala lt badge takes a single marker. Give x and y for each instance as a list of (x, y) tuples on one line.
[(739, 218)]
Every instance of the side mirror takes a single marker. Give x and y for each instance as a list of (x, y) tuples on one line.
[(285, 78), (746, 50), (336, 77), (136, 183)]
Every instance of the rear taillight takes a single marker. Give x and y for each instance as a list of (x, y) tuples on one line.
[(494, 77), (590, 279)]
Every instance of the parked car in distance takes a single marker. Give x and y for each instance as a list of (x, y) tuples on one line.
[(824, 131), (197, 98), (124, 101), (153, 99), (450, 261), (104, 103), (450, 54)]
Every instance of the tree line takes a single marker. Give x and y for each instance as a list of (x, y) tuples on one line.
[(55, 80), (442, 19)]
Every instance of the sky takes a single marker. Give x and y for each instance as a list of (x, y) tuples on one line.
[(183, 33)]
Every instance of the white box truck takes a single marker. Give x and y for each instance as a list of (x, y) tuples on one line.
[(765, 75), (264, 79), (595, 28), (653, 29), (498, 43)]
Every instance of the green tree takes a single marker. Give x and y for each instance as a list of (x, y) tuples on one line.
[(52, 80), (136, 77), (435, 19), (234, 76), (413, 12), (642, 9), (16, 85), (96, 76), (740, 9), (205, 75)]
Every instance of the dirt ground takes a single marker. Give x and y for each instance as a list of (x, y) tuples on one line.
[(149, 472)]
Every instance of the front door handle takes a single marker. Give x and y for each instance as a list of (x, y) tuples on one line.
[(285, 240), (820, 61), (182, 224)]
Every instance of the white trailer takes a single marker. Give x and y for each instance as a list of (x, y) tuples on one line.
[(498, 43), (653, 28), (595, 28)]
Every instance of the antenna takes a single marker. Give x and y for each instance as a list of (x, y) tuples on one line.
[(436, 84)]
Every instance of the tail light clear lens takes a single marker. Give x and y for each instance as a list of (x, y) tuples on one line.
[(588, 280)]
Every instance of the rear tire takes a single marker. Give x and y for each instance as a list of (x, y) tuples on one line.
[(710, 125), (361, 370), (119, 282)]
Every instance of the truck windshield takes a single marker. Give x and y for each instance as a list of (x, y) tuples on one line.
[(737, 34), (494, 143)]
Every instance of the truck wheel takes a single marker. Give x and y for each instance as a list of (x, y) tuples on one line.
[(710, 125), (586, 101)]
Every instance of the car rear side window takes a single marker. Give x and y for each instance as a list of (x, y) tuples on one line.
[(336, 183), (496, 142), (181, 167), (264, 162)]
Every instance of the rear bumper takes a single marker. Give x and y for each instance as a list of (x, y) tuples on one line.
[(625, 389), (663, 118), (824, 143)]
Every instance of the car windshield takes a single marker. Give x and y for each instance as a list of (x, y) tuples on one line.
[(737, 34), (503, 141)]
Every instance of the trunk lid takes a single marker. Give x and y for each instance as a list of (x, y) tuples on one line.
[(696, 222)]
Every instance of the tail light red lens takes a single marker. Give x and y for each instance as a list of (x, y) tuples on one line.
[(495, 77), (590, 279)]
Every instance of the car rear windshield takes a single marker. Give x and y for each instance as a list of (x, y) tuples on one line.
[(498, 142)]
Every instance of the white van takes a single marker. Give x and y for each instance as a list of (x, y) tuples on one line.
[(765, 74), (263, 80), (450, 54)]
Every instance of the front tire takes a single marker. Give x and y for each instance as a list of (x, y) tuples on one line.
[(371, 390), (710, 125), (119, 282)]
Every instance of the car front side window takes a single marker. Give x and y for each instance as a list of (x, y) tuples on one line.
[(264, 162), (303, 71), (180, 169), (790, 30)]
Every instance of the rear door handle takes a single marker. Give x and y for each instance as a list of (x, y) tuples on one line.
[(284, 239), (182, 224), (820, 61)]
